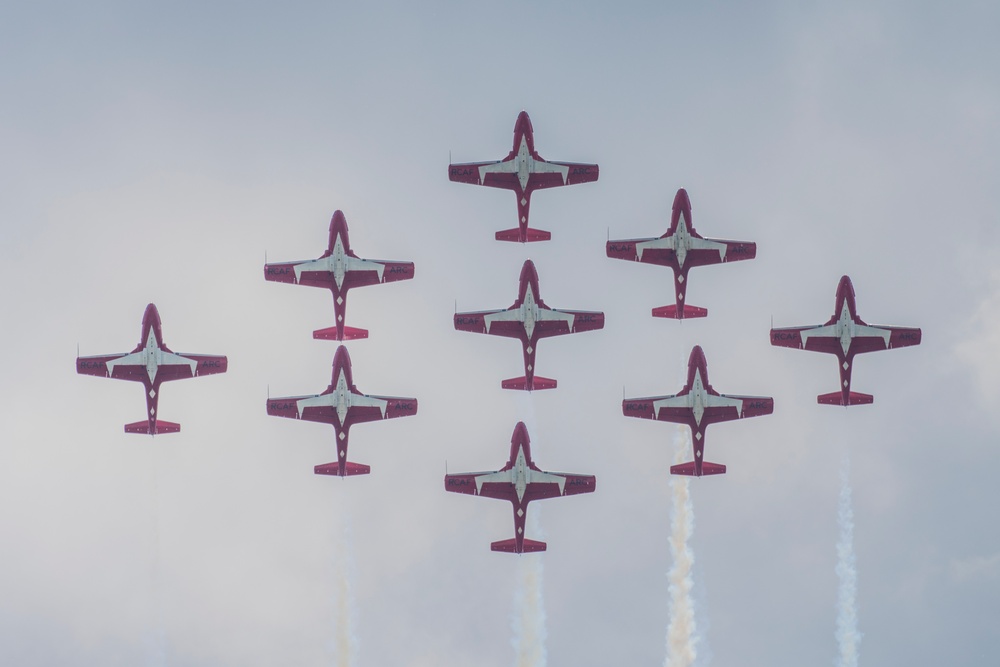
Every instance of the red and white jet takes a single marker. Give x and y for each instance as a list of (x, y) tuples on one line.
[(520, 482), (151, 363), (523, 171), (342, 406), (845, 335), (681, 248), (338, 270), (529, 320), (698, 405)]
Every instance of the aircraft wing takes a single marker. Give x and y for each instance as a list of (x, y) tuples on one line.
[(365, 408), (133, 366), (494, 484), (175, 366), (495, 322), (362, 272), (826, 338), (723, 407), (498, 174), (357, 272), (661, 251), (717, 251), (874, 338), (554, 484), (673, 408), (292, 272), (554, 322), (547, 174), (115, 366), (819, 338), (325, 409), (289, 406)]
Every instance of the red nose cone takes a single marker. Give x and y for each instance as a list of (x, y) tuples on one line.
[(520, 439), (697, 356), (523, 123), (528, 272), (342, 361), (845, 286), (681, 201), (338, 221), (151, 316)]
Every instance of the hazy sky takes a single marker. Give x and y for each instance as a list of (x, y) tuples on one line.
[(154, 152)]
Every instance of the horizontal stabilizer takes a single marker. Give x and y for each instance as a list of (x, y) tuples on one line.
[(528, 236), (350, 333), (510, 546), (158, 428), (837, 398), (671, 312), (706, 469), (349, 469), (522, 383)]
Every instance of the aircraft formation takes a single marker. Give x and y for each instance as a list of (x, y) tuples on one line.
[(528, 319)]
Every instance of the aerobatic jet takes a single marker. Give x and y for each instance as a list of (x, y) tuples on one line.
[(845, 335), (342, 406), (523, 171), (152, 363), (520, 482), (698, 405), (681, 248), (529, 320), (338, 270)]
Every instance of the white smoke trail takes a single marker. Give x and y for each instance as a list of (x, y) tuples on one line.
[(345, 643), (848, 636), (157, 639), (682, 637), (528, 620)]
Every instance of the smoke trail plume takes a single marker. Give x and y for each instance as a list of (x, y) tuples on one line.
[(345, 643), (156, 640), (528, 620), (682, 637), (848, 636)]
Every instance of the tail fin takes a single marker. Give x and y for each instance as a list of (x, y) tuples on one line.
[(330, 333), (671, 312), (528, 236), (522, 383), (349, 469), (706, 469), (159, 427), (510, 546), (853, 398)]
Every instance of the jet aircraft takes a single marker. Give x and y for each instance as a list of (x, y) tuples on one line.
[(151, 363), (681, 248), (698, 405), (338, 270), (342, 406), (520, 482), (845, 335), (529, 320), (523, 171)]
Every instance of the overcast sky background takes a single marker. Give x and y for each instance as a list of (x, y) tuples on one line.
[(154, 152)]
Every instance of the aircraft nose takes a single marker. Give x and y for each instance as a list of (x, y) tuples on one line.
[(681, 200)]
